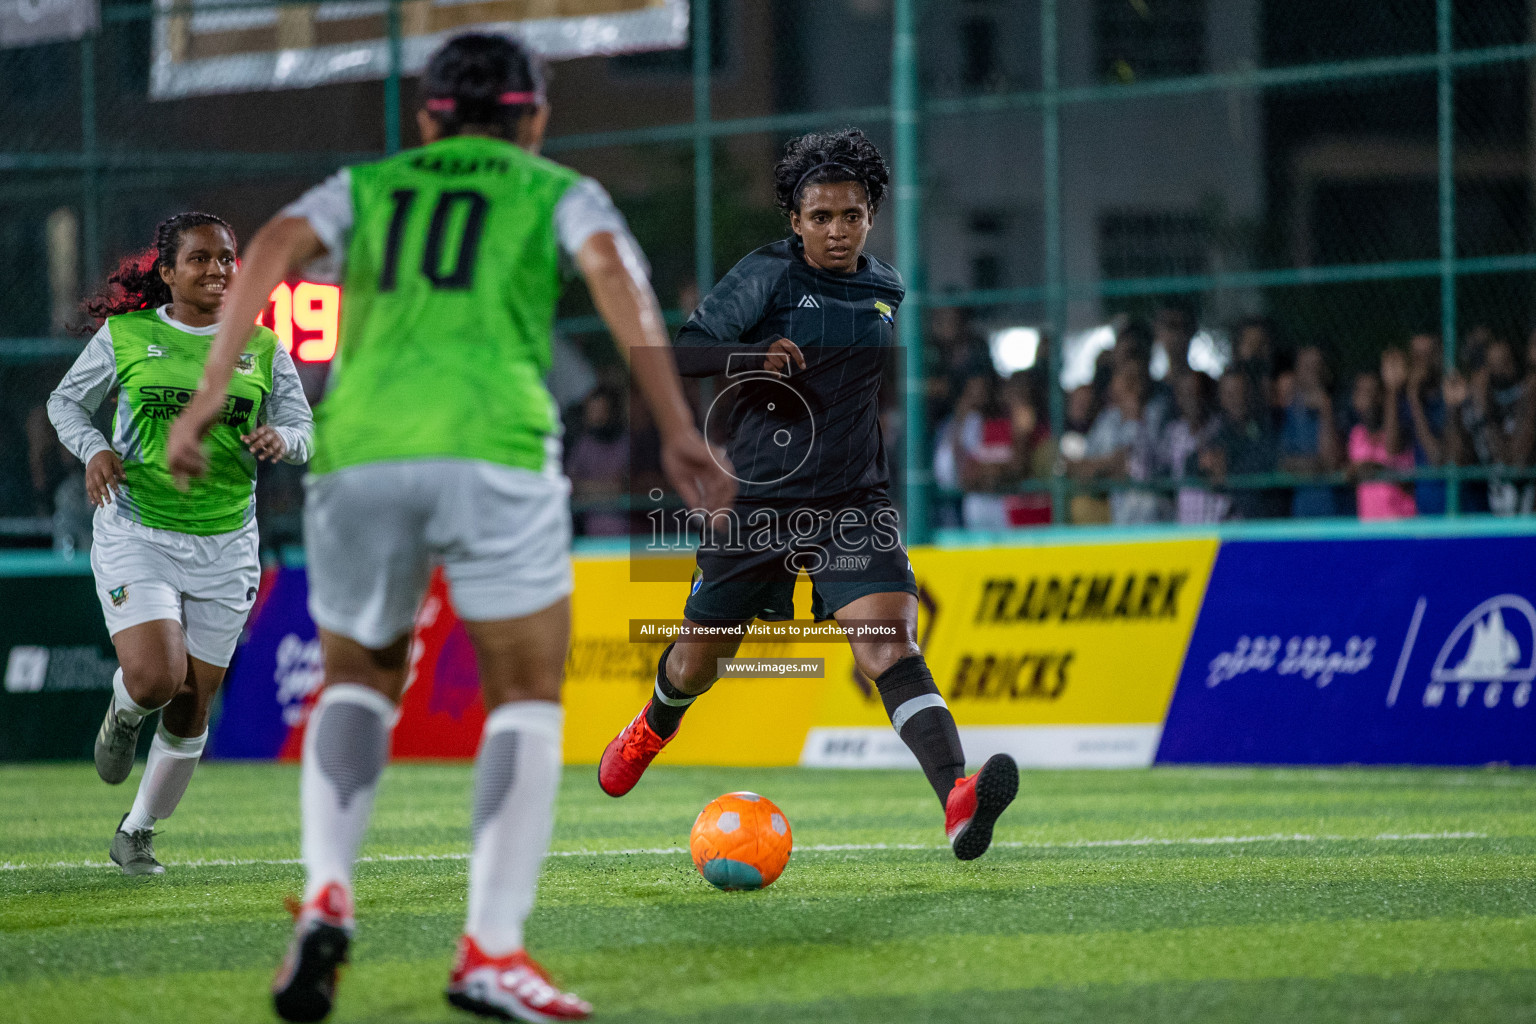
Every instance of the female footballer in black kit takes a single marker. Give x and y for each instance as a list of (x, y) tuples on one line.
[(804, 329)]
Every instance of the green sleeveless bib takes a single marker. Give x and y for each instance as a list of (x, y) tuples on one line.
[(452, 274), (158, 367)]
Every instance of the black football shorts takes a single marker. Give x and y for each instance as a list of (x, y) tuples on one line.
[(850, 548)]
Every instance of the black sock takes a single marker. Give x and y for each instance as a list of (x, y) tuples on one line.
[(668, 703), (922, 720)]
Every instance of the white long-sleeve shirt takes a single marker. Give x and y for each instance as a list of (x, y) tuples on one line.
[(94, 375)]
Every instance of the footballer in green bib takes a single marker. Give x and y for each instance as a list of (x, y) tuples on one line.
[(437, 445), (452, 274), (176, 563)]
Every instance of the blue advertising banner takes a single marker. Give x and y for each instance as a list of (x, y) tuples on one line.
[(276, 671), (1411, 651)]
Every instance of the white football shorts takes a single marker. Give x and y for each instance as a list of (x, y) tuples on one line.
[(207, 584), (372, 534)]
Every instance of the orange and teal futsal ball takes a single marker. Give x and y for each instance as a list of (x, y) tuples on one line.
[(740, 841)]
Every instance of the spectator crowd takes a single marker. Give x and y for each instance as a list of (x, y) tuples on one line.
[(1176, 446), (1184, 446)]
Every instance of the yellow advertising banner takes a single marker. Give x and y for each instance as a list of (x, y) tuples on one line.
[(1058, 654), (609, 678)]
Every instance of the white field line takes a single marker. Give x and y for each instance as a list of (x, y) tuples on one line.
[(654, 851)]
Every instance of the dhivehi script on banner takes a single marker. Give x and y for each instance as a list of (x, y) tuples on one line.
[(221, 46)]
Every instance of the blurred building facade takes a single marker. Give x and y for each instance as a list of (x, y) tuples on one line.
[(1292, 159)]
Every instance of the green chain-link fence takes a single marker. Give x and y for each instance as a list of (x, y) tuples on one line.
[(1354, 173)]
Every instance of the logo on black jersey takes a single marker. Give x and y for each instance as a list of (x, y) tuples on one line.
[(809, 302), (884, 311)]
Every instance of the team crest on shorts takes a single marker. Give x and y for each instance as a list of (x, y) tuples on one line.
[(698, 580), (118, 596), (247, 363)]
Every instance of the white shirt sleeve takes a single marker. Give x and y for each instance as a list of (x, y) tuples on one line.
[(328, 209), (585, 210), (287, 409), (80, 394)]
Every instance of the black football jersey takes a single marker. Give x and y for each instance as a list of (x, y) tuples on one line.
[(815, 434)]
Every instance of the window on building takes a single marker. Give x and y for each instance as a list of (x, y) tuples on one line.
[(130, 49), (1141, 243), (986, 271), (1149, 38), (988, 221), (978, 52)]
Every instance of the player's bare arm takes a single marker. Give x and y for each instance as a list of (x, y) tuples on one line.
[(616, 278)]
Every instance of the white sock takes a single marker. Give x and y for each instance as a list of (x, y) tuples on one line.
[(126, 706), (345, 746), (172, 760), (517, 774)]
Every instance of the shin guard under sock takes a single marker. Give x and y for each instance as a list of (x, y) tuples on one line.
[(345, 746), (922, 720), (517, 774), (668, 703)]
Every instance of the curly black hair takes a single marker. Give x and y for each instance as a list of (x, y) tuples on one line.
[(482, 79), (136, 283), (821, 158)]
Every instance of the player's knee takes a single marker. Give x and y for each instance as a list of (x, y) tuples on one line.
[(511, 671), (383, 670), (691, 668), (874, 659), (187, 715), (502, 683), (154, 679)]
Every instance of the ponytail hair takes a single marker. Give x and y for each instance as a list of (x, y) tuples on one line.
[(483, 79), (136, 283)]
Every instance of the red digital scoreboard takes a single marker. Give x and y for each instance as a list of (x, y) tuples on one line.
[(306, 317)]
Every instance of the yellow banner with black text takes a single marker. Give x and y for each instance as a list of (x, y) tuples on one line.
[(1060, 655)]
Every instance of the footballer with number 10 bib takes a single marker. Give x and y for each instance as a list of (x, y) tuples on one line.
[(438, 443)]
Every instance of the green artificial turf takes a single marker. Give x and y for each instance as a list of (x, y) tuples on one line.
[(1169, 895)]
